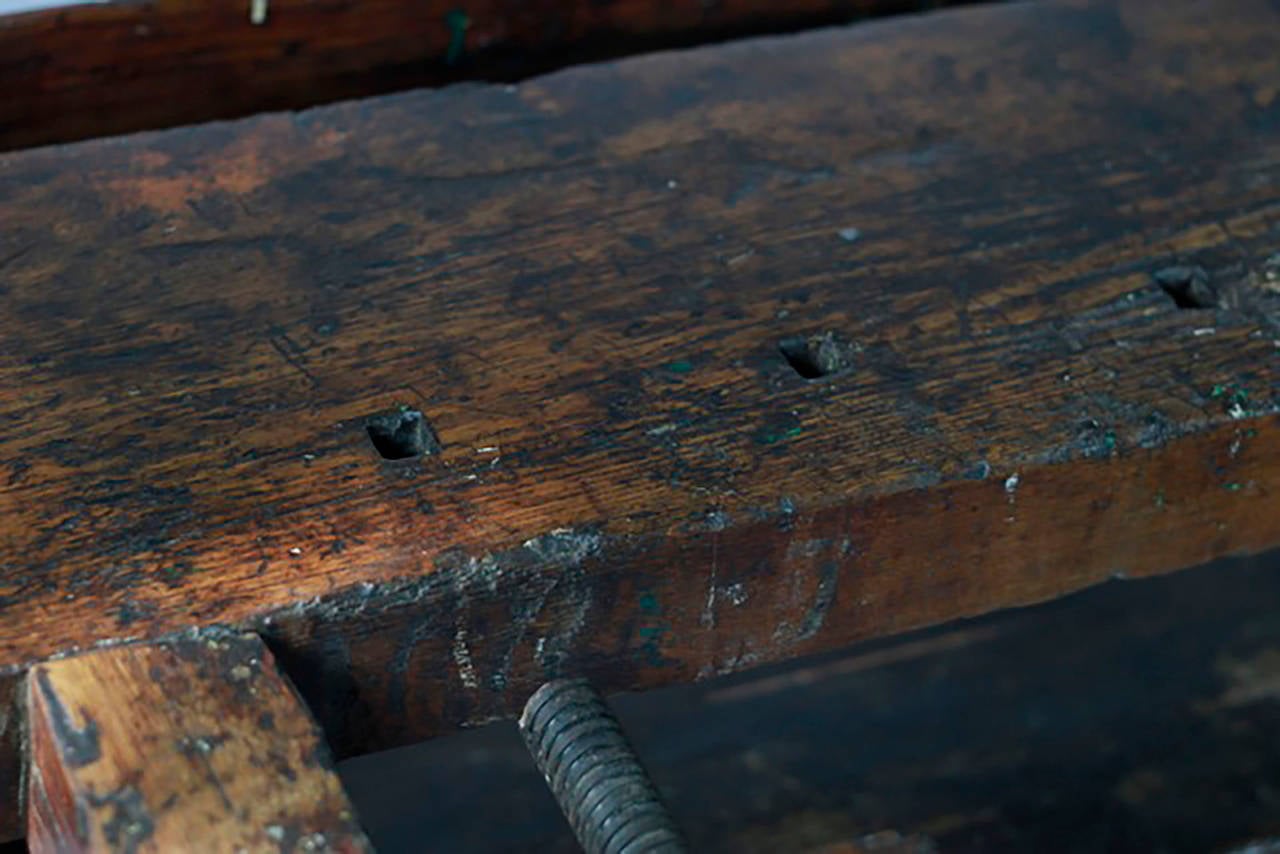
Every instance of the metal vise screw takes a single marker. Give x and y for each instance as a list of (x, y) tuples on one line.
[(580, 749)]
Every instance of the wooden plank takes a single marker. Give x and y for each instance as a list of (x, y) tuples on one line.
[(103, 68), (159, 747), (585, 284)]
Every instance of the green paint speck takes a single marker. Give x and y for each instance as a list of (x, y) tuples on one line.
[(680, 366), (1234, 397), (175, 573), (770, 437), (1233, 487), (649, 604), (1109, 442), (457, 22), (1160, 498)]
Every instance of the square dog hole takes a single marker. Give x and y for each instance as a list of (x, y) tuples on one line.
[(401, 434)]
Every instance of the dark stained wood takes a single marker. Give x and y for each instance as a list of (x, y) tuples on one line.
[(91, 70), (161, 747), (583, 283)]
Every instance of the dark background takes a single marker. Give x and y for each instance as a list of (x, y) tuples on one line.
[(1136, 716)]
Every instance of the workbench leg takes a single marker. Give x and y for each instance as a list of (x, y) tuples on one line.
[(194, 744)]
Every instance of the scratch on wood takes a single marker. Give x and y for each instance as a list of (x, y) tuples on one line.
[(292, 361), (708, 619), (526, 611), (553, 649), (462, 657), (399, 669), (828, 577)]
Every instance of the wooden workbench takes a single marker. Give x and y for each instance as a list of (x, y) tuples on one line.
[(722, 357)]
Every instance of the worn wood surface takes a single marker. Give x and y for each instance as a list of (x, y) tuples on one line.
[(587, 284), (97, 69), (195, 744)]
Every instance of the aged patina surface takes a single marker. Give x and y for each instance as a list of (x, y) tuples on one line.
[(731, 355)]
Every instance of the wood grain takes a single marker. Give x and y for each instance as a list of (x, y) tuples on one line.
[(194, 744), (106, 68), (583, 283)]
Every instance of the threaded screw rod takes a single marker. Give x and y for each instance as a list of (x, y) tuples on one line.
[(593, 772)]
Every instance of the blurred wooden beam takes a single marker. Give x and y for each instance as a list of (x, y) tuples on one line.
[(95, 69)]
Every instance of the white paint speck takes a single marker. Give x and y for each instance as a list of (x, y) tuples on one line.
[(1011, 489), (257, 12), (717, 520), (313, 842), (736, 593), (1203, 331), (295, 551), (1271, 268), (487, 449), (671, 185), (848, 235), (738, 662)]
